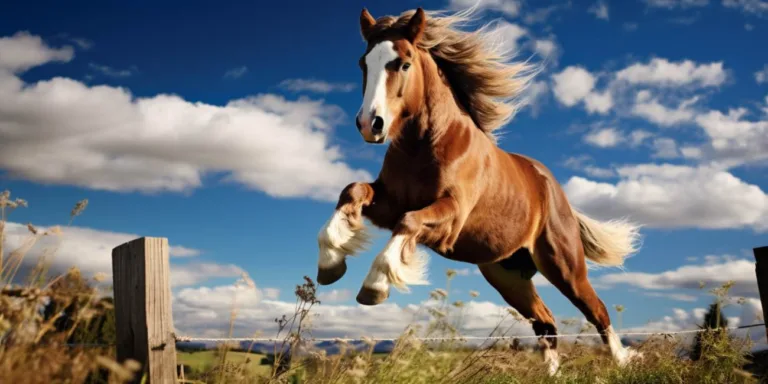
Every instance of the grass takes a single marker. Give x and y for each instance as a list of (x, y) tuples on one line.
[(40, 313), (204, 361)]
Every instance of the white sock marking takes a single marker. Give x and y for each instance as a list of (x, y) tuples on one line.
[(620, 354), (337, 240), (388, 269), (552, 359)]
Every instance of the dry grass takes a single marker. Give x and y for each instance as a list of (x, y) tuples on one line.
[(42, 314)]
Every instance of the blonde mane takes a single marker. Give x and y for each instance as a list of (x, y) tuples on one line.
[(485, 82)]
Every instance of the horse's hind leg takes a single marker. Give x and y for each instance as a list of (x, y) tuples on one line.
[(519, 292), (559, 256)]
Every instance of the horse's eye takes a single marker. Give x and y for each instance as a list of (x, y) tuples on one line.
[(406, 66)]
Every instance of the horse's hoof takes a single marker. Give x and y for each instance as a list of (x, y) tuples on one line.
[(368, 296), (327, 276)]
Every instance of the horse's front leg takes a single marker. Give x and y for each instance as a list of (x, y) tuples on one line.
[(400, 263), (344, 234)]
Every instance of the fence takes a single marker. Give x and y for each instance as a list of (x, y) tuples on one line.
[(144, 320)]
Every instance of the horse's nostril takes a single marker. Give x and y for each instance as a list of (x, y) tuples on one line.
[(357, 123), (378, 125)]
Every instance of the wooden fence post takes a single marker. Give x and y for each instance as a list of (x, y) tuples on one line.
[(761, 272), (143, 318)]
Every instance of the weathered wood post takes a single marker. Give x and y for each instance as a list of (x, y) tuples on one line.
[(143, 318), (761, 272)]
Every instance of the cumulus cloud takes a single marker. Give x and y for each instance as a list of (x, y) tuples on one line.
[(757, 8), (664, 73), (689, 277), (669, 196), (91, 251), (572, 85), (314, 85), (61, 131), (335, 296), (585, 164), (180, 251), (206, 310), (23, 51), (761, 76), (507, 35), (575, 84), (649, 108), (599, 9), (733, 139), (196, 273), (599, 102), (604, 137), (665, 148), (545, 47)]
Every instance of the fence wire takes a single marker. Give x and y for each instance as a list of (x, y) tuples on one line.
[(457, 338)]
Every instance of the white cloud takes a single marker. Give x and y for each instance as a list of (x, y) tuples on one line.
[(572, 85), (314, 85), (508, 7), (755, 7), (761, 76), (506, 35), (673, 296), (545, 47), (674, 196), (604, 137), (599, 9), (60, 131), (599, 102), (584, 163), (109, 71), (271, 293), (734, 140), (671, 4), (179, 251), (196, 273), (335, 296), (91, 251), (541, 15), (236, 73), (638, 137), (535, 93), (23, 51), (206, 310), (649, 108), (664, 73), (665, 148), (689, 277)]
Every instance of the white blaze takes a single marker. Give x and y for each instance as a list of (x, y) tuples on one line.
[(375, 96)]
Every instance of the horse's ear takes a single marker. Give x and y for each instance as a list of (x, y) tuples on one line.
[(416, 26), (366, 23)]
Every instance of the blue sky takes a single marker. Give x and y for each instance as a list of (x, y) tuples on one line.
[(203, 122)]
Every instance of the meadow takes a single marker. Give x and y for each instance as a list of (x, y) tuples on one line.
[(50, 323)]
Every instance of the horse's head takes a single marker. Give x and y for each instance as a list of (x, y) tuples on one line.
[(392, 76)]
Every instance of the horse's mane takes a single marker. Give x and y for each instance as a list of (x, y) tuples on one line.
[(486, 84)]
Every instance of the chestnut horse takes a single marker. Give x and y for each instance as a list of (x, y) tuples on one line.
[(437, 94)]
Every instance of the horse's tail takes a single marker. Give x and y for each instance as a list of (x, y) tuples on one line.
[(607, 242)]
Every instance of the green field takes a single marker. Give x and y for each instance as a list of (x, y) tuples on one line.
[(205, 360)]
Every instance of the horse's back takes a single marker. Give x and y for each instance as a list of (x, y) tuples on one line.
[(508, 214)]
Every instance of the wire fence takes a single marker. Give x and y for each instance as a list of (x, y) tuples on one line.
[(458, 338)]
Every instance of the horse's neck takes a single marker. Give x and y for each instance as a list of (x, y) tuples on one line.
[(440, 115)]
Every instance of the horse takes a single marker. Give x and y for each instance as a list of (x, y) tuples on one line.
[(437, 95)]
